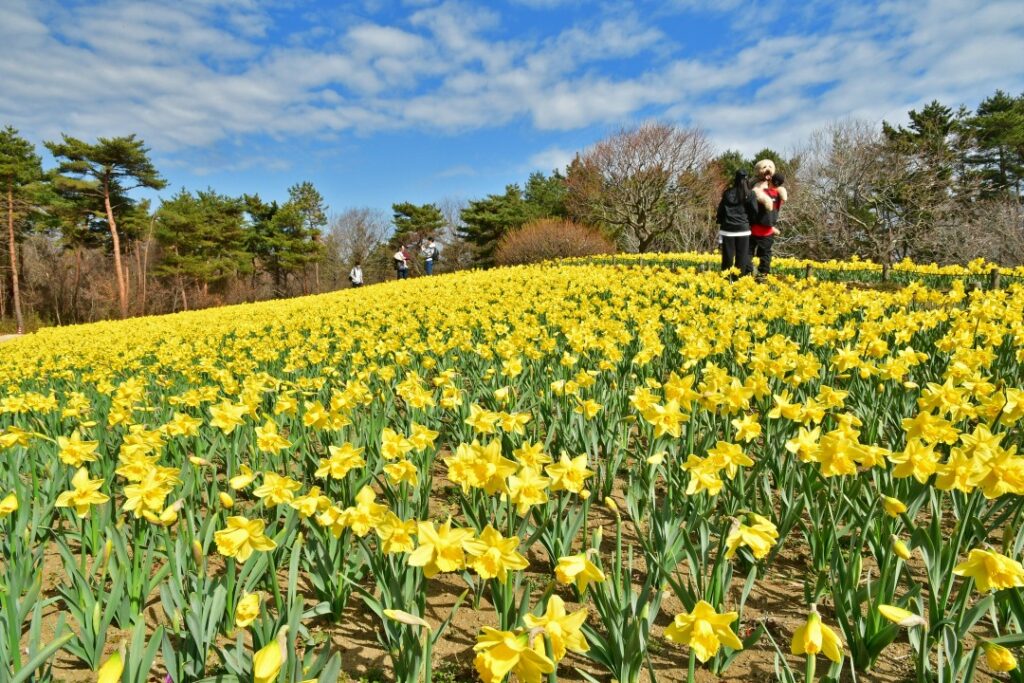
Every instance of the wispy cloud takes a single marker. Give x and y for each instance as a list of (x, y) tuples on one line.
[(551, 159), (205, 71)]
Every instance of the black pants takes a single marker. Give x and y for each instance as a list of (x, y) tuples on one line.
[(761, 247), (736, 252)]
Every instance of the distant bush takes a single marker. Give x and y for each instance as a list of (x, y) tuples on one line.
[(550, 238)]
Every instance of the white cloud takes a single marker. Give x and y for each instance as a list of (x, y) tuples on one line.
[(551, 159), (204, 71)]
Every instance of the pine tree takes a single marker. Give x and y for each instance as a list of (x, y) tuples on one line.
[(997, 128), (546, 194), (278, 240), (731, 161), (20, 169), (203, 237), (107, 170), (313, 211), (414, 222), (487, 220)]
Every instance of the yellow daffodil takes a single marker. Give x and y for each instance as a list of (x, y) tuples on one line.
[(110, 671), (813, 637), (569, 474), (562, 629), (276, 490), (244, 477), (268, 661), (74, 451), (998, 657), (492, 555), (991, 571), (241, 537), (396, 535), (440, 549), (247, 610), (500, 653), (8, 505), (578, 570), (83, 494), (759, 536), (343, 459), (704, 631)]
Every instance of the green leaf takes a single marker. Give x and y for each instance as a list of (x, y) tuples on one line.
[(40, 658)]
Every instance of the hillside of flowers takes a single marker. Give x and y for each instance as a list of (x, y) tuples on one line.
[(623, 471)]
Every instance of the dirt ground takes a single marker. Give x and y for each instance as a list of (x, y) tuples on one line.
[(776, 600)]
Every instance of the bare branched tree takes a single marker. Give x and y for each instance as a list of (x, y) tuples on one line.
[(648, 187), (456, 253), (859, 195), (357, 232)]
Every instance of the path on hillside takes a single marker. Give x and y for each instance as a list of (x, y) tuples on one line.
[(8, 337)]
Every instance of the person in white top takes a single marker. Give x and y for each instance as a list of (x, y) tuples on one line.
[(355, 276), (430, 253), (401, 264)]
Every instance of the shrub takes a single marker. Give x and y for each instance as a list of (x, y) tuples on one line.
[(550, 238)]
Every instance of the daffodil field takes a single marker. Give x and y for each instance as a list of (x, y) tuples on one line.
[(586, 472)]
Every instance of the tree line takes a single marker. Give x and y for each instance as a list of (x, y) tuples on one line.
[(82, 246)]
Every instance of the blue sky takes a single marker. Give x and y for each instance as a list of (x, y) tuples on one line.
[(379, 101)]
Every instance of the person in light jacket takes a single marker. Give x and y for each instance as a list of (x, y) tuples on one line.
[(401, 259), (429, 254), (355, 276)]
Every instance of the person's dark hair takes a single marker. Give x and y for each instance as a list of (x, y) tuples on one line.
[(739, 186), (778, 180)]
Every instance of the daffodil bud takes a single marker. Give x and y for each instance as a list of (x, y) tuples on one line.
[(197, 553), (998, 657), (226, 501), (901, 617), (893, 506), (610, 504), (900, 548), (111, 670)]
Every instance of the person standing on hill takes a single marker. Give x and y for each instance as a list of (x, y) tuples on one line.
[(429, 254), (355, 276), (735, 211), (401, 259), (771, 195)]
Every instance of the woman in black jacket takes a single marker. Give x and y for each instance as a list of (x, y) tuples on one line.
[(735, 211)]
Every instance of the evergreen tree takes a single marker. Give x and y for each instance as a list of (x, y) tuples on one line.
[(934, 136), (203, 238), (997, 128), (731, 161), (107, 170), (546, 194), (278, 240), (20, 170), (414, 222), (487, 220), (311, 207)]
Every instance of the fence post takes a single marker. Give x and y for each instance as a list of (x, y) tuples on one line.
[(993, 278)]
